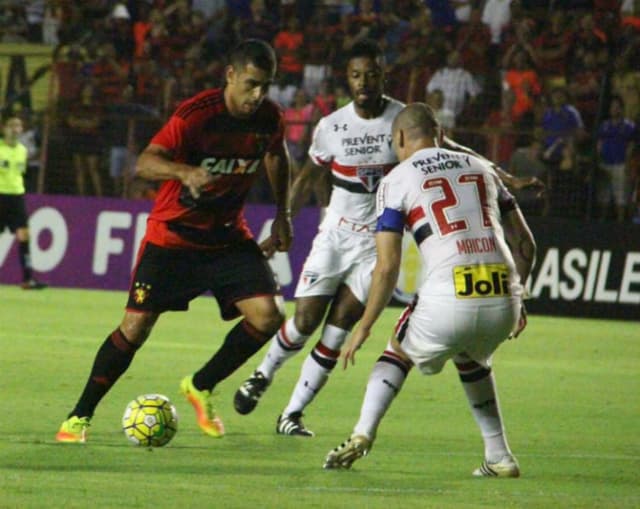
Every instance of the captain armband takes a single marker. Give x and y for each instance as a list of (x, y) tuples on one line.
[(391, 220)]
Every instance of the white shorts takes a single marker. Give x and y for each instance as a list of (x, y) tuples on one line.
[(439, 328), (336, 257)]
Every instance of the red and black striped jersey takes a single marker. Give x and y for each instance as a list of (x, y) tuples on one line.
[(203, 133)]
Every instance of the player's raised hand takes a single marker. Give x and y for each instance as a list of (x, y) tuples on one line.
[(196, 179), (281, 231), (358, 337), (522, 323)]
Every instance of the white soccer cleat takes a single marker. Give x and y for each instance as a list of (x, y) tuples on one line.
[(506, 467), (347, 452)]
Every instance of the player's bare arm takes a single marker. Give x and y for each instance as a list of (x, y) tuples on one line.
[(278, 168), (523, 247), (510, 180), (155, 163), (383, 281), (303, 185)]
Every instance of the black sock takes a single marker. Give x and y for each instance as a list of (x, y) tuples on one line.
[(113, 359), (240, 344), (25, 259)]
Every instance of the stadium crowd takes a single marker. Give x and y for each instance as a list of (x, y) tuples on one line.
[(544, 88)]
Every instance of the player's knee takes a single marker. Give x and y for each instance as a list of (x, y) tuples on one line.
[(269, 324), (137, 327), (306, 323)]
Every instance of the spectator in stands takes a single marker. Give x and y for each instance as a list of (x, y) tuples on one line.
[(463, 10), (473, 40), (625, 83), (53, 17), (120, 33), (71, 65), (521, 77), (586, 87), (445, 116), (289, 43), (109, 73), (552, 49), (318, 51), (282, 91), (443, 15), (13, 24), (394, 30), (148, 84), (566, 180), (118, 130), (527, 161), (561, 123), (324, 101), (588, 37), (616, 138), (34, 15), (457, 84), (260, 24), (501, 129), (84, 122), (496, 14), (298, 118)]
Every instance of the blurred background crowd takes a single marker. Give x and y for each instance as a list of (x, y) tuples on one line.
[(544, 88)]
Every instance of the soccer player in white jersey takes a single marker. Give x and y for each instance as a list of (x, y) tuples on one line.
[(463, 220), (355, 143)]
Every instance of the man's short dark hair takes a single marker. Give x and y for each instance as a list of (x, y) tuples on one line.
[(256, 52), (366, 48)]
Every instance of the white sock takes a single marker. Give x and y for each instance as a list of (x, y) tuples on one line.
[(316, 368), (385, 382), (479, 386), (287, 342)]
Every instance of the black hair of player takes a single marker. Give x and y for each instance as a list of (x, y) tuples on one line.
[(366, 48), (256, 52)]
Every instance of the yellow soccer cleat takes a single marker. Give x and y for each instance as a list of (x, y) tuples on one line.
[(506, 467), (73, 430), (346, 453), (208, 421)]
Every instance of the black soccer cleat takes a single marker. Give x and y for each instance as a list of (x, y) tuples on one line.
[(33, 284), (249, 393), (292, 425)]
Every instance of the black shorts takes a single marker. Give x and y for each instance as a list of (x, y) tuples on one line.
[(168, 279), (13, 212)]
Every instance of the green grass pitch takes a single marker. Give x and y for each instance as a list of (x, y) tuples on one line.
[(569, 388)]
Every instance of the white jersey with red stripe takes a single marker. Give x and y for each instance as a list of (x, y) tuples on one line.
[(359, 153), (451, 202)]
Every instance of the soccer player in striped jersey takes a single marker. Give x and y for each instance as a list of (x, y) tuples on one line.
[(477, 251)]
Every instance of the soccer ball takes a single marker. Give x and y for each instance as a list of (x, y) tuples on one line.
[(150, 420)]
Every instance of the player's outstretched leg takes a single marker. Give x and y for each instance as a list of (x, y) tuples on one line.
[(287, 342), (343, 456), (313, 376), (112, 359), (208, 420), (478, 384), (386, 380)]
